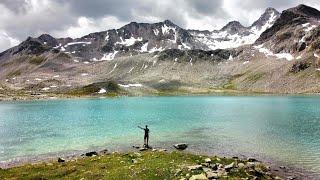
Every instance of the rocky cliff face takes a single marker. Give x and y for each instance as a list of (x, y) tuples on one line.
[(295, 32)]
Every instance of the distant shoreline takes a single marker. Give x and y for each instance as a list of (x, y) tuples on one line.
[(58, 96)]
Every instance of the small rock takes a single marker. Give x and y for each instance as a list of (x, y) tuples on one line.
[(143, 149), (205, 164), (241, 165), (291, 178), (277, 178), (198, 177), (93, 153), (205, 169), (250, 164), (221, 172), (282, 167), (178, 171), (235, 157), (213, 166), (105, 151), (258, 172), (252, 159), (207, 160), (134, 161), (154, 150), (268, 173), (61, 160), (195, 167), (181, 146), (162, 150), (229, 167), (259, 169), (187, 175), (136, 147), (212, 175)]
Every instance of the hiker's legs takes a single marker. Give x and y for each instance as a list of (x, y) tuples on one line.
[(147, 141)]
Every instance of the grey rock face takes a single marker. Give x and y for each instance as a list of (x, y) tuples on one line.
[(270, 13), (290, 18)]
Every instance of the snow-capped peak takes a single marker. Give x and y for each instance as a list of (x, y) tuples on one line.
[(234, 34)]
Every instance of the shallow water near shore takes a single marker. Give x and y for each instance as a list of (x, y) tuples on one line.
[(283, 128)]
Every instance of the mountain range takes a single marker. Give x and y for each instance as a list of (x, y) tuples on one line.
[(278, 53)]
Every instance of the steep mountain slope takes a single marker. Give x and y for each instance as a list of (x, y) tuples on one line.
[(162, 57), (295, 32)]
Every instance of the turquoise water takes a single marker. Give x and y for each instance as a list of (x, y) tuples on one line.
[(286, 129)]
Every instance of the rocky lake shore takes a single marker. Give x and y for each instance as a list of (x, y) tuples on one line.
[(152, 163)]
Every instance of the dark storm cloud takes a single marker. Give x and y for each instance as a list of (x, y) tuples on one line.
[(206, 7), (278, 4), (16, 6), (100, 8), (125, 10)]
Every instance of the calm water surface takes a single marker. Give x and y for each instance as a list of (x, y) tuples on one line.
[(286, 129)]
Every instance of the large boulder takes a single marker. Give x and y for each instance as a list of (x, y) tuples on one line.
[(93, 153), (61, 160), (181, 146)]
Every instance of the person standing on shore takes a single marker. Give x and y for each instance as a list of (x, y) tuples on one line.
[(146, 135)]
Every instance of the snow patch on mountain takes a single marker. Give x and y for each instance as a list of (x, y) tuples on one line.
[(102, 91), (156, 32), (144, 48), (129, 42), (166, 29), (223, 39), (155, 49), (75, 43), (267, 52), (107, 37), (130, 85), (109, 56)]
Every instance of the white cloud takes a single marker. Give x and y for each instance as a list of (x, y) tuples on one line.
[(87, 25), (7, 41)]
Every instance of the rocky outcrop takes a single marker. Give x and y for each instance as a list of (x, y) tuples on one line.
[(217, 170), (181, 146), (293, 31), (300, 66), (234, 27)]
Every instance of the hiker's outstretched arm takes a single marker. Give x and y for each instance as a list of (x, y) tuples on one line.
[(140, 127)]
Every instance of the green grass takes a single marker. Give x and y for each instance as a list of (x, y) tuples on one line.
[(254, 77), (37, 60), (151, 165), (229, 85), (111, 87)]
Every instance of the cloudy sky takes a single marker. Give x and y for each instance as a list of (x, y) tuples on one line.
[(75, 18)]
